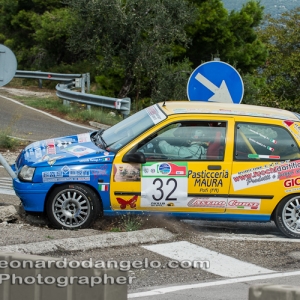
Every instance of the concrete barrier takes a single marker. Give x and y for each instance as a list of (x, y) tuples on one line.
[(274, 292), (32, 277)]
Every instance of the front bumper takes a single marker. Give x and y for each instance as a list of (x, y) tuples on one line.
[(32, 195)]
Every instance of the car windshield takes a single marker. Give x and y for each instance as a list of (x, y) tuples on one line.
[(122, 133)]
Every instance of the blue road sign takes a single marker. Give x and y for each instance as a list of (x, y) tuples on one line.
[(215, 81)]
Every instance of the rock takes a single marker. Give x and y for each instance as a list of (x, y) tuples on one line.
[(8, 213)]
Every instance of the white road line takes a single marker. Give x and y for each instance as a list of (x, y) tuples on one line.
[(220, 264), (6, 187), (5, 182), (7, 191), (171, 289), (268, 238)]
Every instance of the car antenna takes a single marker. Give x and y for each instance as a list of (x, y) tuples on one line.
[(164, 104)]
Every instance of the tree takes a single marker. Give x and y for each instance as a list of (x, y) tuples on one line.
[(139, 38), (36, 30), (282, 69), (230, 35)]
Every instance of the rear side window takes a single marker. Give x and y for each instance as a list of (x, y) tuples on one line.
[(264, 142)]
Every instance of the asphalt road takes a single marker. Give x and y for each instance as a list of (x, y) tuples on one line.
[(24, 122)]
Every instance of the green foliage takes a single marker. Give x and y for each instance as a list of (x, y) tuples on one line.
[(126, 223), (137, 37), (253, 84), (36, 31), (171, 82), (282, 69), (147, 49), (231, 36), (51, 31), (7, 142)]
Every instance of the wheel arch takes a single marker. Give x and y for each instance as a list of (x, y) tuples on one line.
[(275, 208), (60, 184)]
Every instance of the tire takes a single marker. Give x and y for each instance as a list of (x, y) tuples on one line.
[(72, 206), (287, 216)]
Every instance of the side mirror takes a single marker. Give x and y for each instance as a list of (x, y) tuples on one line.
[(137, 157)]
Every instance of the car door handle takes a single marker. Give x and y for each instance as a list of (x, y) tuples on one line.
[(215, 167)]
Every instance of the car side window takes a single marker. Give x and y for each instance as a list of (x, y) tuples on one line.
[(264, 142), (191, 140)]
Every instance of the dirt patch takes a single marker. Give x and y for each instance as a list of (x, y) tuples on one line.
[(29, 92), (120, 223)]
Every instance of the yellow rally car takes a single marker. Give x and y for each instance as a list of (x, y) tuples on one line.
[(188, 159)]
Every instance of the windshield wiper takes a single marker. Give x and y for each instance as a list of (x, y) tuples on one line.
[(99, 135)]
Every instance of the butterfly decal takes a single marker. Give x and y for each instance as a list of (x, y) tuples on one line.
[(131, 202)]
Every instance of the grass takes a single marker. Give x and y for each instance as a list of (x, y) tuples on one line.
[(7, 142), (127, 223), (73, 112)]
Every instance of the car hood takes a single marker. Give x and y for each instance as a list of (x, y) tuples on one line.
[(63, 150)]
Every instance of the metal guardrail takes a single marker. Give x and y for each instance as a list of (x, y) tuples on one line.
[(46, 75), (63, 91), (71, 81)]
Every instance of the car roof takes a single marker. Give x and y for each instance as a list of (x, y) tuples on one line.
[(201, 107)]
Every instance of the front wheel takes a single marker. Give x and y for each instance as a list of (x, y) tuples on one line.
[(287, 216), (72, 206)]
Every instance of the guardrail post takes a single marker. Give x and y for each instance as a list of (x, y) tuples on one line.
[(88, 82), (83, 81), (126, 106)]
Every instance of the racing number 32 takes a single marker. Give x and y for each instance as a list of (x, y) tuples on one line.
[(159, 184), (158, 191)]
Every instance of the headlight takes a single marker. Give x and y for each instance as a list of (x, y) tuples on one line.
[(26, 173)]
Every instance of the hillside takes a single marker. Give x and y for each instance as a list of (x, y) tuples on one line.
[(273, 7)]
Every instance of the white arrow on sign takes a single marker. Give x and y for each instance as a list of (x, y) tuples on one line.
[(221, 94)]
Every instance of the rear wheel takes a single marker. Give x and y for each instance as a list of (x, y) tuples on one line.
[(287, 216), (73, 206)]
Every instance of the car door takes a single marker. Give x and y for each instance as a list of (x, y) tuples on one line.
[(187, 168), (266, 156)]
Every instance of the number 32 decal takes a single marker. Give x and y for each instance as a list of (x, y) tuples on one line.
[(160, 191), (159, 184)]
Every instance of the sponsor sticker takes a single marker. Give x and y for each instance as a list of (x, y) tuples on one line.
[(206, 202), (155, 114), (51, 146), (83, 138), (79, 150), (164, 184), (266, 174), (230, 203), (243, 204)]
